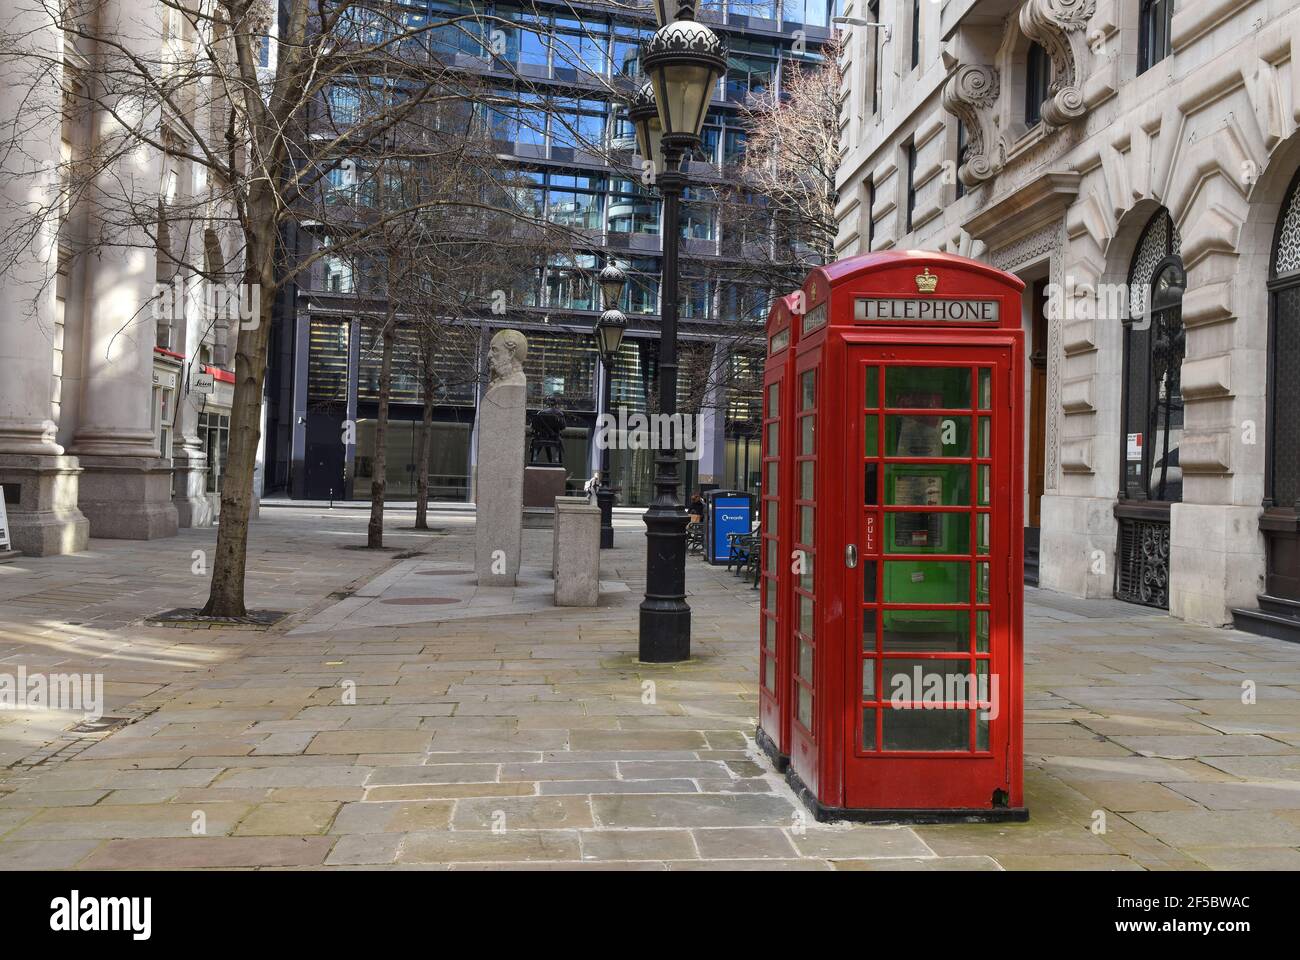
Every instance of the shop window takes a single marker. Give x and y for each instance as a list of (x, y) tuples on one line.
[(164, 392), (214, 434)]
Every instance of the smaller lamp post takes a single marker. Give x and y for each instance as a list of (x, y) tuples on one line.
[(609, 335)]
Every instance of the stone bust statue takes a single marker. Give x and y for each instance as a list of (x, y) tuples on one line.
[(506, 358)]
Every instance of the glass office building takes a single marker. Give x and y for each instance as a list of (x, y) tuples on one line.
[(560, 132)]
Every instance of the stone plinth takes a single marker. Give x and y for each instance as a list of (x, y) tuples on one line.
[(499, 485), (194, 508), (128, 498), (41, 494), (542, 484), (576, 552)]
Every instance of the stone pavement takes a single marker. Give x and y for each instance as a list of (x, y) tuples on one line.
[(530, 739)]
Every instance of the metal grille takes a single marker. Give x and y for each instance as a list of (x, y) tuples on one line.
[(1286, 397), (1142, 575), (1287, 257), (1159, 239), (1152, 248)]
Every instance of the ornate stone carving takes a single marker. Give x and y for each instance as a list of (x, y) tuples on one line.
[(1060, 27), (971, 95)]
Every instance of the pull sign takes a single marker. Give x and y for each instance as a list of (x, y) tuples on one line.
[(851, 555)]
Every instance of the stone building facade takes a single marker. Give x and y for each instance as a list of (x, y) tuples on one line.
[(1135, 162), (114, 371)]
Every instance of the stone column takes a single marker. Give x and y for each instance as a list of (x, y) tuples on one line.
[(40, 482), (126, 488), (711, 438)]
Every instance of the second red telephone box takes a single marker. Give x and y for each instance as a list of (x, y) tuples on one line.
[(773, 733), (904, 461)]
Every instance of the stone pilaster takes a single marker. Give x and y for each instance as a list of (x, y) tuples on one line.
[(40, 481), (126, 489)]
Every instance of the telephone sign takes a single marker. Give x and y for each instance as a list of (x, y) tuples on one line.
[(891, 652)]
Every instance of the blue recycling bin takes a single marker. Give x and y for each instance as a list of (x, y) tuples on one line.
[(725, 512)]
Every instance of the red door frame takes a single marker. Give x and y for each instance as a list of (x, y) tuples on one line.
[(922, 780)]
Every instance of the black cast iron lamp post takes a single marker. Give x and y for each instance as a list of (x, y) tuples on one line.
[(609, 335), (684, 61)]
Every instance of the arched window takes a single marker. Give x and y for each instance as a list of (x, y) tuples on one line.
[(1154, 345), (1283, 484), (1152, 414)]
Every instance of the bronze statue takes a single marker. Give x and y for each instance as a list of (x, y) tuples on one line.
[(548, 429)]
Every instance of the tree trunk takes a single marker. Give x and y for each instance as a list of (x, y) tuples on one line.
[(226, 592), (379, 481), (422, 458)]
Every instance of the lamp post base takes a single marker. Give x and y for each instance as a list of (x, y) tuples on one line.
[(665, 632), (665, 628)]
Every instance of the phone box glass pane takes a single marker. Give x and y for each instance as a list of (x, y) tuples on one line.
[(928, 680), (872, 398), (869, 729), (925, 436), (927, 581), (807, 432), (937, 387), (939, 730), (806, 625), (868, 679), (805, 660), (927, 485), (804, 706), (926, 631)]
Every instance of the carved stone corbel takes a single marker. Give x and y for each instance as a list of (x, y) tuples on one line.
[(971, 95), (1060, 27)]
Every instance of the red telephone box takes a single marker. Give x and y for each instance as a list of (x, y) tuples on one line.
[(774, 652), (904, 492)]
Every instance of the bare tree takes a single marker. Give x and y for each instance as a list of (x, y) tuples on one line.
[(263, 103)]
